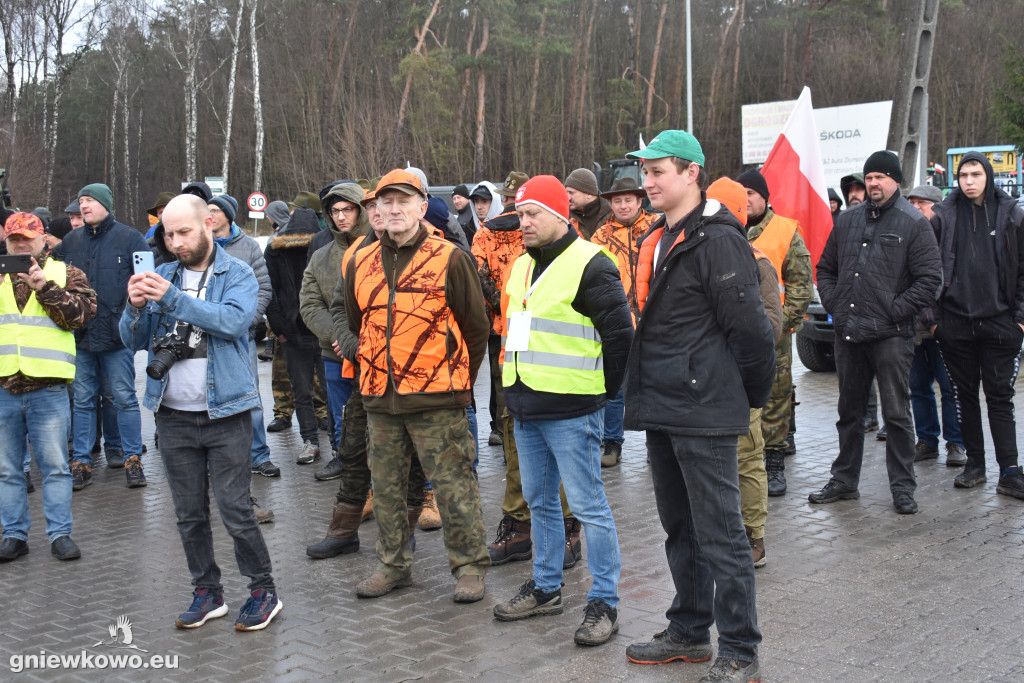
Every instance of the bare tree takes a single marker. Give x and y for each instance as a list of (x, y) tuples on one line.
[(225, 156), (257, 103), (187, 59)]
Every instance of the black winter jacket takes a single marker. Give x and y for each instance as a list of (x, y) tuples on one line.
[(286, 262), (879, 268), (1009, 222), (704, 350), (104, 254), (601, 298)]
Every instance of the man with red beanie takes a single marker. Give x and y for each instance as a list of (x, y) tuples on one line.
[(568, 331)]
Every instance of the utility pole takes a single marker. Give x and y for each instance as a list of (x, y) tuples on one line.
[(918, 19)]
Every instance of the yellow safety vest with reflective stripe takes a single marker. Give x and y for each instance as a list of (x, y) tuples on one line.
[(30, 342), (564, 355)]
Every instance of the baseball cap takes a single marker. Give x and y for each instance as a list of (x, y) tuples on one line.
[(403, 180), (25, 224), (672, 143)]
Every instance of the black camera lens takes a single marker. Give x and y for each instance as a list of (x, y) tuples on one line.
[(161, 363)]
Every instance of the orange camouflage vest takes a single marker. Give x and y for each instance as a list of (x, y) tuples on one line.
[(499, 250), (408, 334), (621, 242)]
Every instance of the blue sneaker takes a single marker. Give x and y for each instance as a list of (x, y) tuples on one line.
[(205, 606), (258, 610)]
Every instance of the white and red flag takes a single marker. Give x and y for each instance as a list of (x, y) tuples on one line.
[(796, 177)]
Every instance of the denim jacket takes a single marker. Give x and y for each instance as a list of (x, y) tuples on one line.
[(225, 315)]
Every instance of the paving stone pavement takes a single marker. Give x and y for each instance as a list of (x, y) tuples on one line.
[(851, 591)]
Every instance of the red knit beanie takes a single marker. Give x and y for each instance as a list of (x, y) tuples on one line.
[(547, 192)]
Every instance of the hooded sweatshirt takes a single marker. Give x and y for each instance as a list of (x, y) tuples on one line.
[(496, 204), (324, 270), (277, 213), (982, 251)]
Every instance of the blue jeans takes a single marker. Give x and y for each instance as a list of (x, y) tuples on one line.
[(202, 454), (260, 450), (569, 451), (613, 413), (339, 389), (696, 486), (119, 368), (927, 368), (43, 415)]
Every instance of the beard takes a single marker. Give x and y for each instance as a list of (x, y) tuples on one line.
[(200, 253)]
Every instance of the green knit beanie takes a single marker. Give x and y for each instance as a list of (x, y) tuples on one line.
[(100, 193)]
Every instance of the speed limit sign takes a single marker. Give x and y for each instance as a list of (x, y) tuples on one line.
[(257, 202)]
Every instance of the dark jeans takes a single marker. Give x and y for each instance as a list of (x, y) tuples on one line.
[(888, 360), (696, 486), (496, 401), (927, 369), (199, 454), (302, 360), (983, 352)]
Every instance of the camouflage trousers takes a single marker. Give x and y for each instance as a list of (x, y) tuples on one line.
[(775, 415), (282, 388), (442, 440), (514, 505), (753, 477), (355, 470)]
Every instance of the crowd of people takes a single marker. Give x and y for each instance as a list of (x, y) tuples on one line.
[(667, 307)]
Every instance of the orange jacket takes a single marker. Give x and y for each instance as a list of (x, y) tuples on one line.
[(620, 240), (408, 334)]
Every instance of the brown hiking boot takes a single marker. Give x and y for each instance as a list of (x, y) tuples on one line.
[(263, 515), (573, 549), (368, 507), (342, 534), (380, 584), (81, 475), (430, 518), (756, 549), (469, 588), (512, 543)]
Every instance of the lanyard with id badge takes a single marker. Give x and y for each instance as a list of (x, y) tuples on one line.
[(519, 322)]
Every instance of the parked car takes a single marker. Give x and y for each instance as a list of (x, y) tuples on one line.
[(815, 341)]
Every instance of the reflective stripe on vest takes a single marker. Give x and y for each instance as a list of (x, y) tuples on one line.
[(774, 242), (406, 330), (565, 353), (30, 342)]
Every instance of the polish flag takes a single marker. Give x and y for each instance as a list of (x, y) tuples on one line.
[(796, 177)]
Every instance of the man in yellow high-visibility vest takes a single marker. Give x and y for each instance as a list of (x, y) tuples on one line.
[(568, 331), (38, 310)]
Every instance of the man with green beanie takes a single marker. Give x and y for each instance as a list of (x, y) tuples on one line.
[(103, 251)]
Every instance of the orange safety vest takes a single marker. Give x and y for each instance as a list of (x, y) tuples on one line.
[(774, 242), (406, 330), (645, 266), (348, 368)]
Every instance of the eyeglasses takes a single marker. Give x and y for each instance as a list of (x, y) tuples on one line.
[(347, 210)]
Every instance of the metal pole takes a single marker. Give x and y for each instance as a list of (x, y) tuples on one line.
[(689, 72)]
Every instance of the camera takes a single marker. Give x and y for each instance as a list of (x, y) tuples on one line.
[(168, 350)]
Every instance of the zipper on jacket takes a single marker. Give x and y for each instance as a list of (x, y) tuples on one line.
[(391, 308)]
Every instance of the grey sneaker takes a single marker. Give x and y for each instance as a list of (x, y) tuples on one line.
[(309, 454), (956, 456), (661, 649), (600, 622), (733, 671), (529, 602)]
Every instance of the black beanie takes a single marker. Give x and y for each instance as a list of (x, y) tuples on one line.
[(885, 162), (753, 180), (461, 190)]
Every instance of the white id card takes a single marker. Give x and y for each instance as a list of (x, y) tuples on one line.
[(518, 338)]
